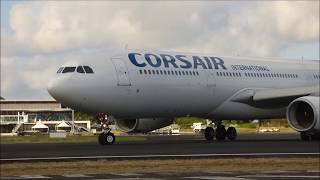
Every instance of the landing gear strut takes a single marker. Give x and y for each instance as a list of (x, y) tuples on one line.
[(106, 137), (220, 133)]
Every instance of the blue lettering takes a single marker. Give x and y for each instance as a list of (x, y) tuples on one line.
[(217, 62), (197, 61), (168, 59), (133, 60), (187, 64), (149, 60), (208, 62)]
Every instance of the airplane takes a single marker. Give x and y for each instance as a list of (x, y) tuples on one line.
[(143, 90)]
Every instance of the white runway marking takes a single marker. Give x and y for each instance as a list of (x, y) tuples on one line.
[(127, 174), (131, 179), (217, 178), (159, 156), (34, 177), (76, 176)]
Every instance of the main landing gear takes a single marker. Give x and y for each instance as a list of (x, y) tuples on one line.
[(220, 133), (106, 137)]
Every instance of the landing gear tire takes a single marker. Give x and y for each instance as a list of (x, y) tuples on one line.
[(106, 138), (209, 133), (221, 133), (232, 133), (305, 136)]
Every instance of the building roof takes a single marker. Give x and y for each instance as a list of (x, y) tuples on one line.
[(21, 105), (2, 101)]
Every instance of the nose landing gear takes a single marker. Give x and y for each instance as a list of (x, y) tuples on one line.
[(106, 137), (220, 133)]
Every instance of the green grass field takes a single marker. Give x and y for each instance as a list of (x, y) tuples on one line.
[(43, 138)]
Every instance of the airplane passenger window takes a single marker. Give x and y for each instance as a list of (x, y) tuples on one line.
[(60, 69), (145, 71), (80, 69), (88, 69), (161, 72), (153, 72), (187, 72), (140, 71), (182, 72), (197, 73), (157, 71), (68, 69), (165, 72), (149, 71)]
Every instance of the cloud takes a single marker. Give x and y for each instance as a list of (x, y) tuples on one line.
[(52, 27), (45, 34)]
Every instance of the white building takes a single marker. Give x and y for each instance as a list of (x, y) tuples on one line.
[(22, 115)]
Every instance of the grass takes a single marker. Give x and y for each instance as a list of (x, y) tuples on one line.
[(43, 138), (145, 166)]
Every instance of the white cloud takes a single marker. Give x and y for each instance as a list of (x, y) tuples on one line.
[(49, 33), (52, 27)]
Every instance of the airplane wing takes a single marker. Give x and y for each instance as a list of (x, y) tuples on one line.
[(270, 94), (273, 97)]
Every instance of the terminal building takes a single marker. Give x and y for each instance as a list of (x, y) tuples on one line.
[(35, 116)]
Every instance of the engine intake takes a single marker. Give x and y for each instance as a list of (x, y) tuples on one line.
[(142, 125), (303, 114)]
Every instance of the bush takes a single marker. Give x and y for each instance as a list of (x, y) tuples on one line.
[(187, 122)]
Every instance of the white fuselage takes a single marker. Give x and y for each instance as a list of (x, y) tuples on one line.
[(144, 84)]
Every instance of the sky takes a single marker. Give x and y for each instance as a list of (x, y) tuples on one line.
[(38, 36)]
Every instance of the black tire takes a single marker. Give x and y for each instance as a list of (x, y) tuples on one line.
[(232, 133), (106, 138), (305, 136), (221, 133), (209, 133), (101, 138)]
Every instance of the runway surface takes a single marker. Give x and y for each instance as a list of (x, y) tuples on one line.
[(166, 146)]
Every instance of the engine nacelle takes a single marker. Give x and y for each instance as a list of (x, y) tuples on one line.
[(142, 125), (303, 114)]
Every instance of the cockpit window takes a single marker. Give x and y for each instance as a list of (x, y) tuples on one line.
[(88, 69), (80, 69), (68, 69), (60, 69)]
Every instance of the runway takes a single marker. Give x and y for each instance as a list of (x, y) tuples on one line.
[(183, 146)]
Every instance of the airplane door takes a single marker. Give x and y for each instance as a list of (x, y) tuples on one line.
[(122, 72), (211, 80)]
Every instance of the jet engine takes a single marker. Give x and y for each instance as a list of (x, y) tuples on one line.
[(303, 114), (142, 124)]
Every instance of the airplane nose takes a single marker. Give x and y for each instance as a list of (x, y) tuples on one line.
[(55, 89)]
